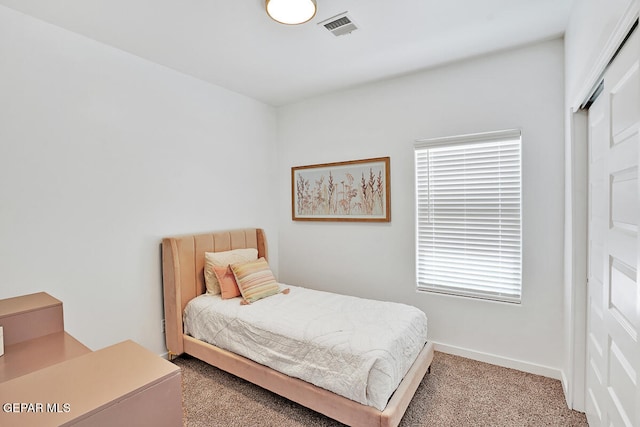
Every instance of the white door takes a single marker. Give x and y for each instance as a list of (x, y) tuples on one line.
[(613, 314)]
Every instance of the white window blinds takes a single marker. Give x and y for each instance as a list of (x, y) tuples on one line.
[(468, 211)]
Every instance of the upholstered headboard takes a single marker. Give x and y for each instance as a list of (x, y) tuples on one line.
[(183, 271)]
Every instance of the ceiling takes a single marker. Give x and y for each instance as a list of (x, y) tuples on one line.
[(234, 44)]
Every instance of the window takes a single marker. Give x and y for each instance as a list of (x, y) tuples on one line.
[(468, 215)]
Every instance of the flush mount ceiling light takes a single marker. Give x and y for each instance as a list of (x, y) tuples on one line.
[(291, 12)]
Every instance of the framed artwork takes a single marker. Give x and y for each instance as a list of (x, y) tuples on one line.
[(356, 190)]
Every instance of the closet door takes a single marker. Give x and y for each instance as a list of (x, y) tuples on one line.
[(613, 314)]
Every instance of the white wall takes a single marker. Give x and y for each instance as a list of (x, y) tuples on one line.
[(516, 89), (102, 154), (590, 30), (595, 30)]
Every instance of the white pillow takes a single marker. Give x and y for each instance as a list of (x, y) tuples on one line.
[(223, 259)]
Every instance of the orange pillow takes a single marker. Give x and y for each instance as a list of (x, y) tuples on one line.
[(228, 286)]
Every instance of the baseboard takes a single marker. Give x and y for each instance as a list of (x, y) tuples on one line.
[(506, 362), (565, 388)]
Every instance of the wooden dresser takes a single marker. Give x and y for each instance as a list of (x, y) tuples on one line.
[(48, 378)]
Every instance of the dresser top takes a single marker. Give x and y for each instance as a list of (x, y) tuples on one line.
[(88, 384), (26, 303)]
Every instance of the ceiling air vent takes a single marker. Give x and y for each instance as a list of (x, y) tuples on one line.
[(339, 25)]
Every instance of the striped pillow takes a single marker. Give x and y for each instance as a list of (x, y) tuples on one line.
[(255, 280)]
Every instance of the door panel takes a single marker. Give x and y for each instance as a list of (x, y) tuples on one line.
[(596, 334), (613, 349)]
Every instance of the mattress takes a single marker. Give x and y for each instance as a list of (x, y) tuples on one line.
[(357, 348)]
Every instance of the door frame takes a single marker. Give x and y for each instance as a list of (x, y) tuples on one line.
[(576, 186)]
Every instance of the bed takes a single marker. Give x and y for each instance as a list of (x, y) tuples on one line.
[(183, 260)]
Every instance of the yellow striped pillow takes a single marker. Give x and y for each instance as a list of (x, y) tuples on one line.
[(255, 280)]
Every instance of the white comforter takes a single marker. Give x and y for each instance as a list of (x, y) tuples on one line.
[(358, 348)]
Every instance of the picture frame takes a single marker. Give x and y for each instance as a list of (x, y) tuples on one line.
[(355, 190)]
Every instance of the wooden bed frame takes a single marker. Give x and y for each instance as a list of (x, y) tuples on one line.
[(183, 280)]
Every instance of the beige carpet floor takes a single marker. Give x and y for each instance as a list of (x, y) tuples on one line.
[(458, 392)]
